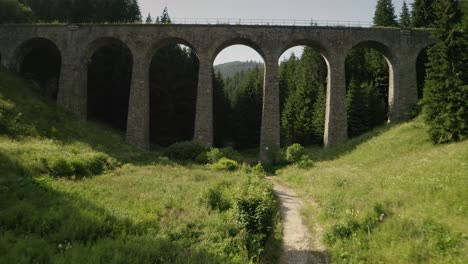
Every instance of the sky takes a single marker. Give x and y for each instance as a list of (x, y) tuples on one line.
[(343, 10)]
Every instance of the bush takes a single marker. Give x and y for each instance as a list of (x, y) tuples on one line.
[(80, 165), (214, 199), (255, 211), (215, 154), (341, 231), (305, 162), (185, 151), (295, 153), (225, 164)]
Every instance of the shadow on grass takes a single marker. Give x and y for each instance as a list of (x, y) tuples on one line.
[(324, 154), (39, 224)]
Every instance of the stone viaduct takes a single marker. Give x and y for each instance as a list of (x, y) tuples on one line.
[(76, 44)]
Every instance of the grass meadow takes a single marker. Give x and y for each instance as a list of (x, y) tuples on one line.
[(75, 192), (389, 196)]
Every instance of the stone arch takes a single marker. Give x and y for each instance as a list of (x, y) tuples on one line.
[(387, 99), (237, 41), (172, 67), (309, 43), (421, 60), (320, 49), (238, 122), (39, 59), (156, 46), (107, 67)]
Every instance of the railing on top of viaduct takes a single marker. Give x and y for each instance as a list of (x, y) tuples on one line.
[(271, 22)]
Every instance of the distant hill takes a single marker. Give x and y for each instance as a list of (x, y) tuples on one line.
[(230, 69)]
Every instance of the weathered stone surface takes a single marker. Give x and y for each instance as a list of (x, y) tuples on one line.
[(77, 44)]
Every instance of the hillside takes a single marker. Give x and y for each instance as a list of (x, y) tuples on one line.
[(75, 192), (389, 196), (229, 69)]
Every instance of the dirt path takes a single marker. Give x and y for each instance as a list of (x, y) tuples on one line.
[(299, 245)]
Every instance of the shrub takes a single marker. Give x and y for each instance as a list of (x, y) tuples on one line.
[(258, 169), (305, 162), (255, 211), (225, 164), (61, 168), (185, 151), (80, 165), (215, 154), (341, 231), (294, 153), (214, 199)]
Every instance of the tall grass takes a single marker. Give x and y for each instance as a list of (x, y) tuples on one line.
[(390, 196), (75, 192)]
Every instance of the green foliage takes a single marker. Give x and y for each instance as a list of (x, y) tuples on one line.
[(79, 165), (216, 199), (144, 211), (376, 210), (13, 11), (231, 69), (405, 17), (385, 14), (294, 153), (247, 110), (445, 102), (173, 92), (367, 84), (185, 151), (356, 109), (301, 105), (422, 14), (305, 162), (215, 154), (225, 164), (85, 11), (255, 212)]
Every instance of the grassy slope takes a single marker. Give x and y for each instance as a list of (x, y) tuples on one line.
[(421, 188), (146, 210)]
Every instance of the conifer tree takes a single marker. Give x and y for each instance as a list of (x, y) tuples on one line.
[(445, 102), (149, 19), (405, 17), (165, 18), (318, 116), (385, 14), (298, 113), (356, 109), (422, 15)]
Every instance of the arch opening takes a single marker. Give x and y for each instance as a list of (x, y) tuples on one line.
[(238, 83), (421, 62), (303, 74), (369, 70), (109, 81), (40, 60), (173, 76)]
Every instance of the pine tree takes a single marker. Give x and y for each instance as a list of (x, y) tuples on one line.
[(165, 18), (149, 19), (422, 15), (445, 102), (405, 17), (221, 111), (356, 109), (318, 117), (385, 14), (298, 114), (247, 110)]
